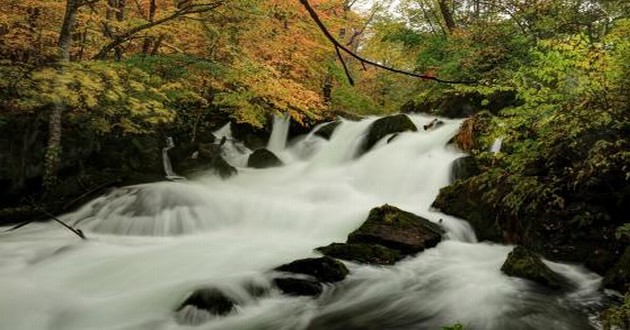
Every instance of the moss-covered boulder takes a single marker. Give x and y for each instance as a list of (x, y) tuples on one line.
[(397, 229), (464, 168), (523, 263), (458, 104), (463, 200), (263, 158), (298, 286), (324, 269), (618, 277), (362, 253), (202, 305), (327, 130), (386, 126)]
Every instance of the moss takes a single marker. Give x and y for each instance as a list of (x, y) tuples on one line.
[(523, 263), (362, 253)]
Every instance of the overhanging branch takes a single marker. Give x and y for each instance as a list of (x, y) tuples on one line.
[(339, 46)]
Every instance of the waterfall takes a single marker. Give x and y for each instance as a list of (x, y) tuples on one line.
[(151, 244), (166, 161), (280, 131), (496, 145)]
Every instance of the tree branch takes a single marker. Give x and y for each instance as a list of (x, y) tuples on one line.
[(338, 45)]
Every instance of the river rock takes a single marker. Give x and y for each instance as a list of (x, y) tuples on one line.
[(202, 305), (618, 277), (523, 263), (324, 269), (298, 286), (263, 158), (386, 126), (327, 130), (464, 168), (397, 229), (361, 253)]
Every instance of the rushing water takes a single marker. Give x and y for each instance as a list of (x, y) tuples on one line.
[(151, 245)]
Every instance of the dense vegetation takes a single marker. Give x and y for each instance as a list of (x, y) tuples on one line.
[(550, 78)]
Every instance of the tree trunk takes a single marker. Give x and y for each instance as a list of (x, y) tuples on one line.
[(447, 15), (52, 157)]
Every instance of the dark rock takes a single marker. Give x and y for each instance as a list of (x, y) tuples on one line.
[(618, 277), (252, 137), (362, 253), (324, 269), (263, 158), (298, 286), (435, 123), (385, 126), (398, 230), (464, 168), (209, 299), (207, 158), (327, 130), (463, 200), (523, 263)]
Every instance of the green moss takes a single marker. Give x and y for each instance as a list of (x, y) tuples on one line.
[(525, 264)]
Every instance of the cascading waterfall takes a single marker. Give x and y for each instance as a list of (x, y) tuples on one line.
[(151, 245), (279, 133)]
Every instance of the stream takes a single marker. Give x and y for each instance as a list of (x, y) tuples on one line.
[(151, 245)]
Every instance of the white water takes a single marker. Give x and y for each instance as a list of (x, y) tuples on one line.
[(150, 245), (278, 138)]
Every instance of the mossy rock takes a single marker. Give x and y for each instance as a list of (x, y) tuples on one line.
[(298, 286), (464, 168), (362, 253), (385, 126), (523, 263), (324, 269), (397, 229), (618, 277), (463, 200), (327, 130), (263, 158)]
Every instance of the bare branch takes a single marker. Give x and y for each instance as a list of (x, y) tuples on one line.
[(339, 46)]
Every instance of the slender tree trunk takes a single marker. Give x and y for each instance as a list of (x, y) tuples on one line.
[(447, 15), (52, 157)]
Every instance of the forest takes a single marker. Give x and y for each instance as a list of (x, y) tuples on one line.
[(96, 96)]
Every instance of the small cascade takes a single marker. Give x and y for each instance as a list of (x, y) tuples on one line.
[(234, 152), (279, 133), (166, 160), (496, 145)]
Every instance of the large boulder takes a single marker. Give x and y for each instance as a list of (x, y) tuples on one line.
[(458, 104), (263, 158), (464, 168), (324, 269), (523, 263), (618, 277), (397, 229), (463, 200), (202, 305), (298, 286), (189, 159), (386, 126), (327, 130), (362, 253)]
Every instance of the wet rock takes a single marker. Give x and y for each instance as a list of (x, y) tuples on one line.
[(464, 168), (435, 123), (202, 305), (263, 158), (523, 263), (397, 229), (298, 286), (463, 200), (386, 126), (362, 253), (618, 277), (324, 269), (202, 158), (327, 130)]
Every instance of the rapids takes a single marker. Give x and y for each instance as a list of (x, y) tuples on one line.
[(151, 245)]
